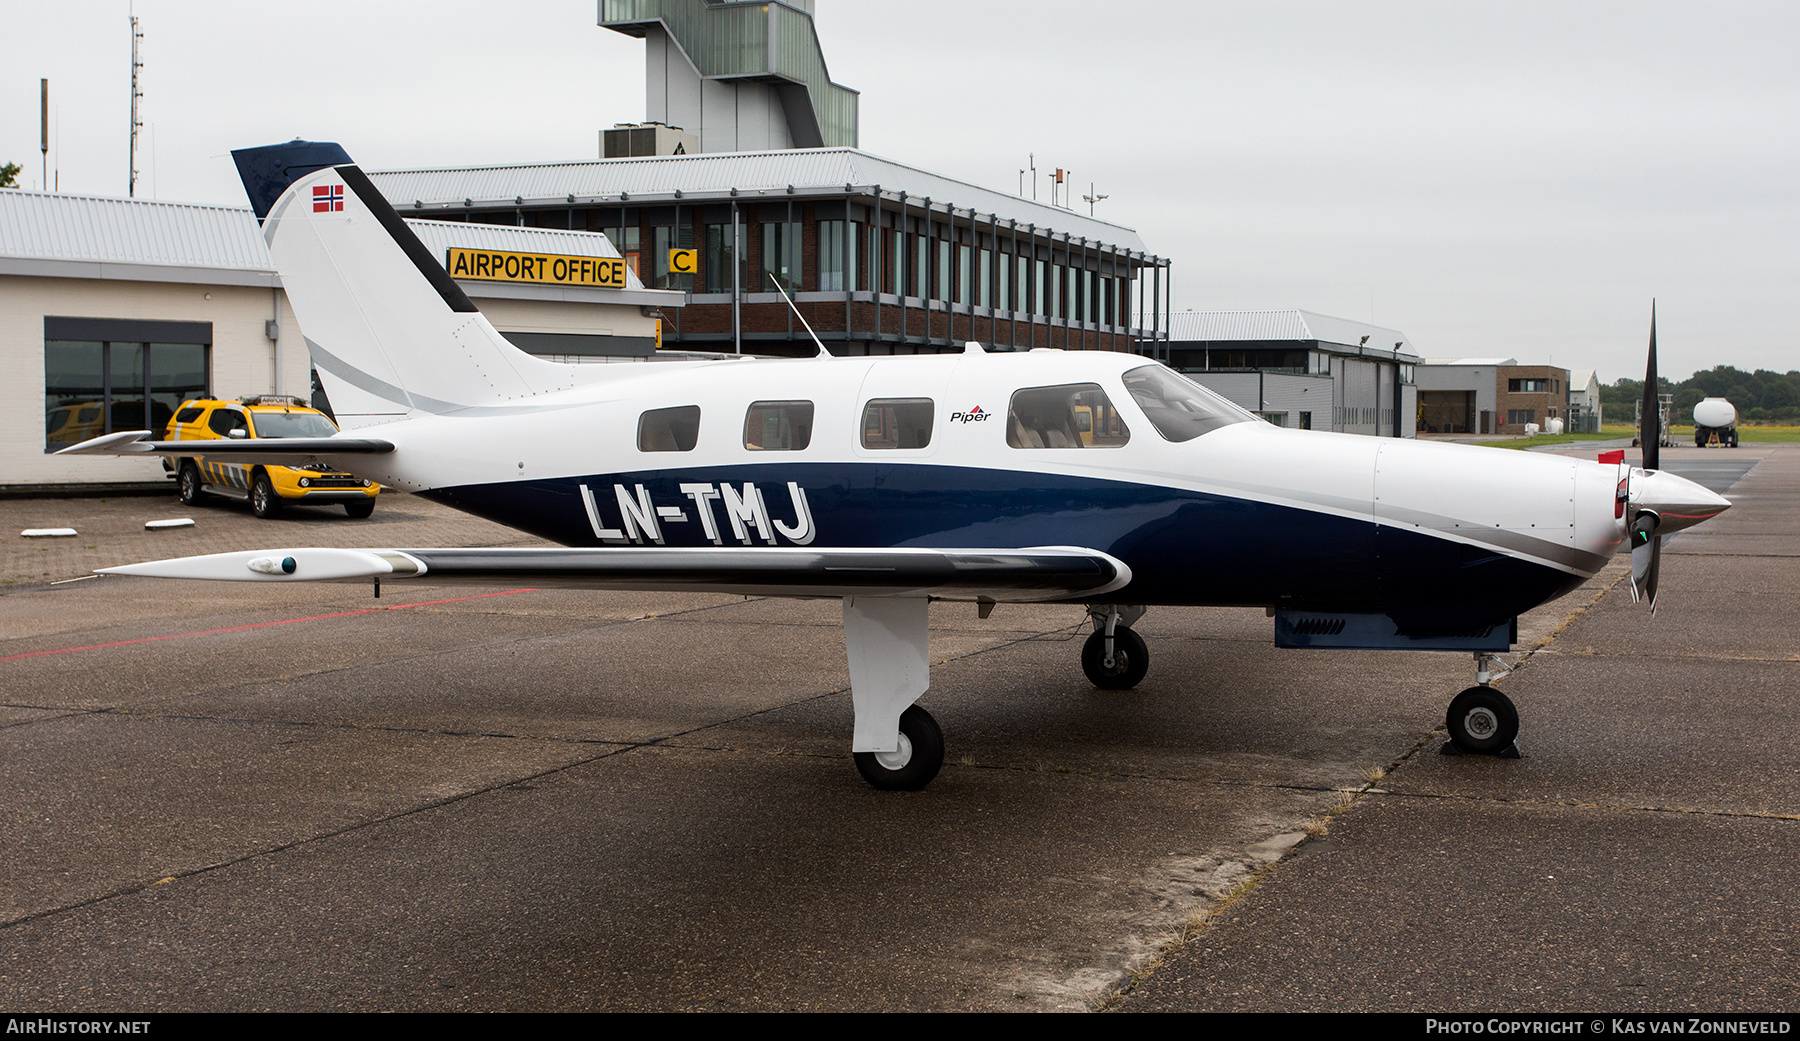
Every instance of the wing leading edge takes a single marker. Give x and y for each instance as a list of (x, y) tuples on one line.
[(1040, 573)]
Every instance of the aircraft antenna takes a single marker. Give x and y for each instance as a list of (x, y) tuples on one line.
[(823, 353)]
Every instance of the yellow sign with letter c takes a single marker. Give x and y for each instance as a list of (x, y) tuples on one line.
[(684, 261)]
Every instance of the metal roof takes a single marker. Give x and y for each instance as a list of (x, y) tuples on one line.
[(86, 236), (711, 176), (1489, 362), (94, 229), (439, 235), (1226, 326)]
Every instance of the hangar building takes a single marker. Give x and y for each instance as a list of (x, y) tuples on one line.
[(1495, 396), (1300, 369)]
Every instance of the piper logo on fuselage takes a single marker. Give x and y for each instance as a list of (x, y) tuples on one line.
[(974, 415), (641, 520)]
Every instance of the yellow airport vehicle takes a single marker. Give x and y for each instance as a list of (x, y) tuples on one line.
[(267, 488)]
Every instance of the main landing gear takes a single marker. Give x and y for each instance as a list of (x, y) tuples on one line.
[(914, 763), (1115, 657), (1481, 720), (897, 745)]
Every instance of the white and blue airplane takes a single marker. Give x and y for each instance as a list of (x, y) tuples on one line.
[(1096, 478)]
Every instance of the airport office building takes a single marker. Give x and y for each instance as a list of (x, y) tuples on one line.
[(114, 311), (749, 155)]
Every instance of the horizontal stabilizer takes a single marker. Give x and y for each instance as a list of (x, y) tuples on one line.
[(1049, 573), (276, 451)]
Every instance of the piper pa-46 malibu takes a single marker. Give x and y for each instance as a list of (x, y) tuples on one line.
[(1087, 477)]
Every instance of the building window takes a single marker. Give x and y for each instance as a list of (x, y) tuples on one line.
[(104, 376), (780, 256), (963, 272), (834, 254), (984, 286), (663, 239), (718, 258), (1520, 416), (1037, 296), (943, 270), (1528, 387), (1004, 282), (629, 243)]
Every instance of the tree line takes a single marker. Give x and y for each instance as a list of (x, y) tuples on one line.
[(1762, 396)]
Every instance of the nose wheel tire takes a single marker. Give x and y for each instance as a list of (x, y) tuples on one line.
[(359, 510), (1482, 721), (189, 483), (263, 500), (917, 760), (1131, 660)]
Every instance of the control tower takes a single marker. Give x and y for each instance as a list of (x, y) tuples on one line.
[(738, 76)]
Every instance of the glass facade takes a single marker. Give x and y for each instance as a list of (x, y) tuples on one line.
[(95, 387)]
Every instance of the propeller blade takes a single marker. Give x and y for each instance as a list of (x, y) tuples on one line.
[(1646, 559), (1651, 434)]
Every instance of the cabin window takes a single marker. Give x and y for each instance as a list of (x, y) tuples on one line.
[(778, 426), (669, 429), (1074, 415), (1179, 409), (897, 423)]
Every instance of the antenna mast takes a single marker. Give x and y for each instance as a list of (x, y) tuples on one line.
[(131, 188)]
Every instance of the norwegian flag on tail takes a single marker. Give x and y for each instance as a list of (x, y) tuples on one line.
[(328, 198)]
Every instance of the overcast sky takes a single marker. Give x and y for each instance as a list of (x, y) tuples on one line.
[(1492, 178)]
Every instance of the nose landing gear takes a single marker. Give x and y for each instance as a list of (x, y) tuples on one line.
[(1481, 720)]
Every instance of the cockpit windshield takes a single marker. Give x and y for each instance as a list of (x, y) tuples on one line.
[(1180, 409)]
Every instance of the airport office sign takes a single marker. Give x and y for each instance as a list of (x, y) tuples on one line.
[(543, 268)]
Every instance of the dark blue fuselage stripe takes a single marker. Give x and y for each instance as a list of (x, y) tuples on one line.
[(1183, 547)]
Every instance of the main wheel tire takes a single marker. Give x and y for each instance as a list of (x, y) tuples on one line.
[(263, 500), (920, 756), (1482, 721), (1131, 659), (360, 508), (190, 484)]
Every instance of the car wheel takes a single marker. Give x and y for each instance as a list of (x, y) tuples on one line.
[(263, 500), (190, 484)]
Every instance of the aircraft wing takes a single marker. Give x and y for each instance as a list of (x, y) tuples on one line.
[(276, 451), (1043, 573)]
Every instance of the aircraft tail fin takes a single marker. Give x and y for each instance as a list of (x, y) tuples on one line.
[(390, 332)]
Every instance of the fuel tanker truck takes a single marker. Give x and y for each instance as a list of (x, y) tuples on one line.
[(1715, 418)]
